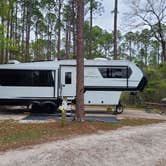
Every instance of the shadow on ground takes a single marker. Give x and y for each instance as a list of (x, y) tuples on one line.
[(30, 115), (46, 117)]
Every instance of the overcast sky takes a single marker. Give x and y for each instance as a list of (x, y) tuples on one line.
[(106, 20)]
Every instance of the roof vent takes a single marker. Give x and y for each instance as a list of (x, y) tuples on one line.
[(100, 59), (13, 62)]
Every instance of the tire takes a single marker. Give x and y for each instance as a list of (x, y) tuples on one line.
[(36, 107), (119, 109), (49, 107)]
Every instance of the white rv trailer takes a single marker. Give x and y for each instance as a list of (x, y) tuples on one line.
[(44, 84)]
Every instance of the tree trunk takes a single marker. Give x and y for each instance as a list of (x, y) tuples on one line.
[(11, 33), (7, 36), (90, 28), (59, 29), (67, 31), (158, 54), (28, 26), (67, 42), (48, 43), (36, 57), (16, 28), (74, 28), (115, 30), (80, 61), (23, 27), (130, 51), (51, 42), (163, 44), (2, 49)]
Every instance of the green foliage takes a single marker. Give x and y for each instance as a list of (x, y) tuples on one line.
[(156, 88), (102, 42), (5, 7), (140, 46), (7, 43)]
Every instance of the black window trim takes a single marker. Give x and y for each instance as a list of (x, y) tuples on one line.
[(128, 74), (68, 81), (52, 84)]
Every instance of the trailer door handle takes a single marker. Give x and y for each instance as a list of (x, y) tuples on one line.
[(63, 85)]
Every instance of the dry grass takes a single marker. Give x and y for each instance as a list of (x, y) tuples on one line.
[(15, 135)]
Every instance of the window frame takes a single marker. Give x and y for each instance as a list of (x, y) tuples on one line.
[(108, 73), (69, 75), (21, 81)]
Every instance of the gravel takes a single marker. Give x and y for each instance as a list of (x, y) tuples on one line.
[(140, 114), (128, 146)]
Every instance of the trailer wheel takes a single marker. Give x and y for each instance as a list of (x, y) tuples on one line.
[(119, 109), (49, 107), (35, 106)]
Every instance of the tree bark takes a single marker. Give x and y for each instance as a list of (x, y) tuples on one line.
[(11, 33), (48, 43), (163, 44), (80, 61), (28, 26), (2, 49), (90, 28), (7, 36), (67, 42), (23, 27), (115, 30), (74, 28), (59, 29), (16, 22), (36, 57)]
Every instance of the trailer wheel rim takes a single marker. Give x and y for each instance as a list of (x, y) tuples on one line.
[(119, 109)]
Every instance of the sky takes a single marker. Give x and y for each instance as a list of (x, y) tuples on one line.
[(106, 20)]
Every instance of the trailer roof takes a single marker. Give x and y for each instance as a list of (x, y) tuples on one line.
[(46, 65), (53, 65), (96, 62)]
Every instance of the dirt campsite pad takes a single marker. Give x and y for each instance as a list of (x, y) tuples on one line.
[(139, 114), (14, 134), (77, 144), (127, 146)]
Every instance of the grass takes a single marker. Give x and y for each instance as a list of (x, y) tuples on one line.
[(15, 135)]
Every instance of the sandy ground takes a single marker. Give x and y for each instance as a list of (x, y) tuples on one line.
[(12, 113), (131, 113), (12, 116), (128, 146)]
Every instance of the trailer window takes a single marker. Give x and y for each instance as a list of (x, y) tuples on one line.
[(26, 78), (67, 77), (42, 78), (115, 72)]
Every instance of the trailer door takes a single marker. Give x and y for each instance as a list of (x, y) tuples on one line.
[(68, 81)]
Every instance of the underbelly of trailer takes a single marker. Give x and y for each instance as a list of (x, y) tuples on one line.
[(102, 97)]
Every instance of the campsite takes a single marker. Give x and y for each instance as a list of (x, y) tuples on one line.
[(83, 82)]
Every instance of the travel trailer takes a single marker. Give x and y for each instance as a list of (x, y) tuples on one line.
[(45, 84)]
